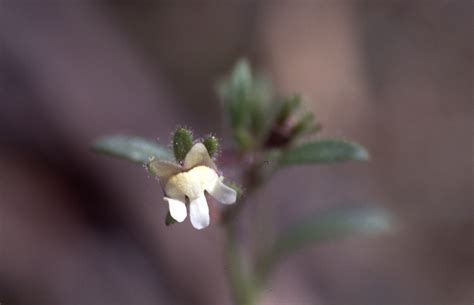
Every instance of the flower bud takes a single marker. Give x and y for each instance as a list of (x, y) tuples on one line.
[(288, 107), (182, 143), (306, 124), (212, 145)]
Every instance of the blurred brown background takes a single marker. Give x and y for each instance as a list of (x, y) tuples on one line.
[(78, 228)]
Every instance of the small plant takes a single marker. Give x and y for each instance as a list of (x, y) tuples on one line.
[(269, 134)]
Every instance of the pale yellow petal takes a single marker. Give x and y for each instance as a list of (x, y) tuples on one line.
[(192, 183), (198, 155), (164, 170)]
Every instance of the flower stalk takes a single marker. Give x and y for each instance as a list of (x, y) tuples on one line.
[(241, 282)]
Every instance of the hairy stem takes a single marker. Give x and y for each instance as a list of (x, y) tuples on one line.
[(242, 275), (241, 279)]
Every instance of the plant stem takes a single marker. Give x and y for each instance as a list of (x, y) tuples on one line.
[(242, 276), (241, 280)]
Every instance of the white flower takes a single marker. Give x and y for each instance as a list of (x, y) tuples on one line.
[(197, 175)]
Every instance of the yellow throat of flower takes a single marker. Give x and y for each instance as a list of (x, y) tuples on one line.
[(191, 183)]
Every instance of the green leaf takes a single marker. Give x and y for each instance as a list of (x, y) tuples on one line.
[(324, 226), (134, 149), (235, 92), (305, 125), (261, 109), (244, 139), (287, 107), (331, 225), (182, 143), (245, 98), (321, 152)]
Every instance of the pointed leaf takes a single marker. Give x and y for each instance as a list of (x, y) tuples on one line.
[(305, 125), (287, 107), (245, 97), (330, 225), (321, 152), (134, 149), (323, 227)]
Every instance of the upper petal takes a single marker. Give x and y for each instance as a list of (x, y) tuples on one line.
[(223, 193), (177, 208), (164, 170), (199, 212), (198, 155)]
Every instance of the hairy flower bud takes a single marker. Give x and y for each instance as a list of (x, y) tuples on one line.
[(212, 145), (182, 143)]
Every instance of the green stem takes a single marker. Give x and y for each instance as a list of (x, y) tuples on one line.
[(244, 280), (241, 280)]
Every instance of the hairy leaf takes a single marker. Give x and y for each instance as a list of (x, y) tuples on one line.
[(323, 227), (134, 149), (323, 151)]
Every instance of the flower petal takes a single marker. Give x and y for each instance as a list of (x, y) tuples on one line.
[(177, 209), (223, 193), (198, 155), (192, 183), (199, 212), (163, 169)]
